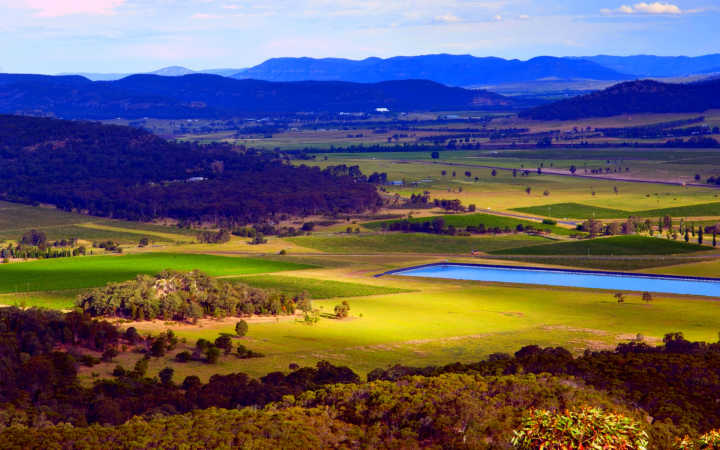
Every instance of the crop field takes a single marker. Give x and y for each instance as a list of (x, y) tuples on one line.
[(91, 271), (413, 243), (619, 245), (489, 220)]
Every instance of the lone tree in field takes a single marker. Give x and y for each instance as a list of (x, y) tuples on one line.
[(493, 173), (342, 310), (528, 190), (700, 235), (620, 297), (435, 155), (241, 328), (647, 297)]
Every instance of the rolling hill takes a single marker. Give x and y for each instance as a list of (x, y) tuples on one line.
[(658, 66), (633, 97), (452, 70), (214, 96)]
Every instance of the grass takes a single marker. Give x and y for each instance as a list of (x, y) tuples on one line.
[(580, 211), (448, 321), (318, 289), (91, 271), (412, 243), (619, 245), (575, 211), (52, 299), (603, 263), (489, 220), (15, 219)]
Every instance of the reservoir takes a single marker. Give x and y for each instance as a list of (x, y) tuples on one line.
[(615, 281)]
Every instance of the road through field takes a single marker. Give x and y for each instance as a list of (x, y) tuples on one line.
[(567, 174)]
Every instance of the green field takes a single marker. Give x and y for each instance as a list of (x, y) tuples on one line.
[(619, 246), (449, 321), (413, 243), (575, 211), (580, 211), (91, 271), (318, 289), (489, 220), (16, 219)]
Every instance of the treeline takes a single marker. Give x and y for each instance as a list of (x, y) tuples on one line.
[(172, 295), (127, 173), (34, 244), (438, 226), (676, 384)]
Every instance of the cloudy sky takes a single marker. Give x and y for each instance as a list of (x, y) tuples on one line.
[(52, 36)]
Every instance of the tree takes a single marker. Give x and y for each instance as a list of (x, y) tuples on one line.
[(166, 375), (224, 342), (700, 235), (141, 367), (144, 242), (435, 155), (493, 173), (241, 328), (687, 235), (212, 354), (647, 297), (528, 190), (573, 169), (342, 310), (620, 297)]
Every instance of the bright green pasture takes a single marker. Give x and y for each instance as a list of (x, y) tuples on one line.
[(449, 321), (619, 245), (91, 271), (318, 289), (412, 243), (489, 220), (580, 211)]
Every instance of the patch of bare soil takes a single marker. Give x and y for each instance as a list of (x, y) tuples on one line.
[(161, 325)]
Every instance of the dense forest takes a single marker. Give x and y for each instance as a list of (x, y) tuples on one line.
[(634, 97), (212, 97), (474, 405), (131, 174)]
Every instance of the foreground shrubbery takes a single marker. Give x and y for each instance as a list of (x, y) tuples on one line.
[(586, 428), (182, 296), (475, 405)]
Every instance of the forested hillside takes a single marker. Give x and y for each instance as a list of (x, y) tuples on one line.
[(127, 173), (634, 97), (213, 96)]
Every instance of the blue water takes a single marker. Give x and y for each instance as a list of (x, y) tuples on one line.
[(610, 281)]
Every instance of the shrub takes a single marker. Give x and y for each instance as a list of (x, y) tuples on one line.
[(586, 428), (342, 310), (241, 328), (709, 440), (183, 357)]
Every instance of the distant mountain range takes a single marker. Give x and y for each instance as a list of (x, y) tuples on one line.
[(459, 70), (451, 70), (214, 96), (633, 97)]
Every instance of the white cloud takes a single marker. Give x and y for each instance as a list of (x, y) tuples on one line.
[(646, 8), (57, 8), (448, 18)]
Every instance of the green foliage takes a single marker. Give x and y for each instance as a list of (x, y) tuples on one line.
[(342, 310), (709, 440), (586, 428), (241, 328), (181, 296)]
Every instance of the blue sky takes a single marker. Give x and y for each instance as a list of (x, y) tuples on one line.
[(52, 36)]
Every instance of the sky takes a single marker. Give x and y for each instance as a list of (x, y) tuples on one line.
[(123, 36)]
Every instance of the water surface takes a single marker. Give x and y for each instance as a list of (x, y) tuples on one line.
[(569, 278)]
